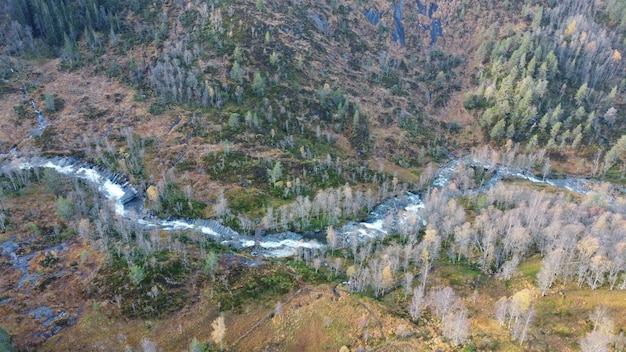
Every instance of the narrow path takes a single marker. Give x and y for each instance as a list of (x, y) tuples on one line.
[(380, 323)]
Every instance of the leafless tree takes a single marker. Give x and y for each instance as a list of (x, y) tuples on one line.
[(464, 236), (407, 283), (220, 209), (520, 329), (418, 303), (509, 268), (149, 346), (317, 262), (331, 238), (550, 268), (598, 266), (595, 342), (3, 219), (456, 326), (601, 320), (502, 308), (617, 263), (443, 300)]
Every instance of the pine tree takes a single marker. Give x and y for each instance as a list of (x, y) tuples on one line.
[(360, 134), (258, 85)]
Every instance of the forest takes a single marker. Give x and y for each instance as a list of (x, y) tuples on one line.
[(307, 175)]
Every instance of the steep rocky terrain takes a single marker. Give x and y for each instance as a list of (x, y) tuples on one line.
[(278, 116)]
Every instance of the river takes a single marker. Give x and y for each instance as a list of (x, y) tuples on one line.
[(128, 202)]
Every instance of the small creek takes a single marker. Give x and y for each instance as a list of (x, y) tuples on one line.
[(41, 121)]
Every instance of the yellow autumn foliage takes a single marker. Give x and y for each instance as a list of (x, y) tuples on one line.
[(522, 300), (571, 28), (153, 193), (617, 56)]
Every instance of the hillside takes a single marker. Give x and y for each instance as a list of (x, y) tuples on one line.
[(289, 122)]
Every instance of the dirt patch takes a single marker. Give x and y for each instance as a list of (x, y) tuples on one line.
[(14, 128), (46, 297)]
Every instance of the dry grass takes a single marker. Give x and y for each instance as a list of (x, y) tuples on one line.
[(62, 294), (314, 319), (317, 320), (12, 128)]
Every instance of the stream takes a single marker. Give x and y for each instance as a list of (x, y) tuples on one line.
[(128, 203)]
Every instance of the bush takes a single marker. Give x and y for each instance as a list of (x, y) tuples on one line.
[(474, 101), (19, 110), (65, 210), (5, 341), (136, 274), (157, 109), (470, 347), (174, 202)]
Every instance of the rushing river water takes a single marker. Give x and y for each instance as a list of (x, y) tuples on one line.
[(128, 202)]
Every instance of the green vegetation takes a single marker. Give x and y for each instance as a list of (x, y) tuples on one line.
[(270, 116), (136, 274), (175, 203), (5, 341), (152, 287), (536, 89), (254, 284)]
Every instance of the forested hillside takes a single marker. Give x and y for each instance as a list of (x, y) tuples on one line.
[(558, 83), (312, 175)]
